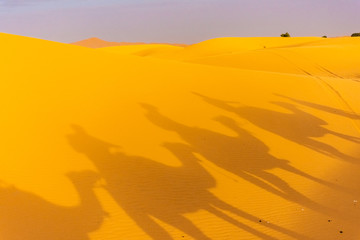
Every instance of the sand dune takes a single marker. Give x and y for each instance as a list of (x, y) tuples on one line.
[(99, 43), (143, 49), (223, 139), (312, 56)]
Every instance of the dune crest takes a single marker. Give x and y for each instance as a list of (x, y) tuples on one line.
[(312, 56), (99, 43)]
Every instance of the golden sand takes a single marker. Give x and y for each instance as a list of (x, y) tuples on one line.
[(232, 138)]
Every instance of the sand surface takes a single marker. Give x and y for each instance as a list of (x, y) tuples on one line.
[(99, 43), (231, 138)]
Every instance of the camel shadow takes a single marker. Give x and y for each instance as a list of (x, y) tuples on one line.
[(146, 189), (243, 155), (24, 215), (297, 126), (324, 108)]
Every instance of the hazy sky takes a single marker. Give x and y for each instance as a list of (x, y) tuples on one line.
[(182, 21)]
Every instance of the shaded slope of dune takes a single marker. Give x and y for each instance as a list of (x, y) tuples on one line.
[(165, 149)]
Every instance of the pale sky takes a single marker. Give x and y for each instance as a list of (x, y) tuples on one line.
[(177, 21)]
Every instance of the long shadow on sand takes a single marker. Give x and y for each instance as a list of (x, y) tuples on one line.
[(297, 126), (324, 108), (24, 215), (147, 189), (243, 155)]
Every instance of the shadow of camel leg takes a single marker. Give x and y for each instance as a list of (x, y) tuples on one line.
[(315, 179), (149, 226), (292, 194), (227, 207), (238, 224), (329, 150), (344, 136), (185, 225), (258, 182)]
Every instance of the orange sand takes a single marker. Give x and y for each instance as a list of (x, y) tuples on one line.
[(223, 139)]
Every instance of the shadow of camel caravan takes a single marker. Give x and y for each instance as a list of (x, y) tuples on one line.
[(243, 155), (297, 126), (146, 189)]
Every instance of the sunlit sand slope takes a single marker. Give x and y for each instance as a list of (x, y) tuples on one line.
[(221, 46), (332, 57), (99, 145)]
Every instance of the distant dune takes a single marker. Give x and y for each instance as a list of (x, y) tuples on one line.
[(312, 56), (99, 43), (231, 138)]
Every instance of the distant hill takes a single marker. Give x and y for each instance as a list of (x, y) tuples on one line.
[(99, 43)]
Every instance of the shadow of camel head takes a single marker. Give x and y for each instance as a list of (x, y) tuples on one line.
[(213, 100), (285, 105), (82, 142), (149, 107), (226, 121)]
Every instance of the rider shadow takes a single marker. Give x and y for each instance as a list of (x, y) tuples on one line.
[(146, 189), (243, 155), (24, 215), (297, 126), (323, 108)]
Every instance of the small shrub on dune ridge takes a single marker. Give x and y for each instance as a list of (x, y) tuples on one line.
[(355, 35), (285, 34)]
